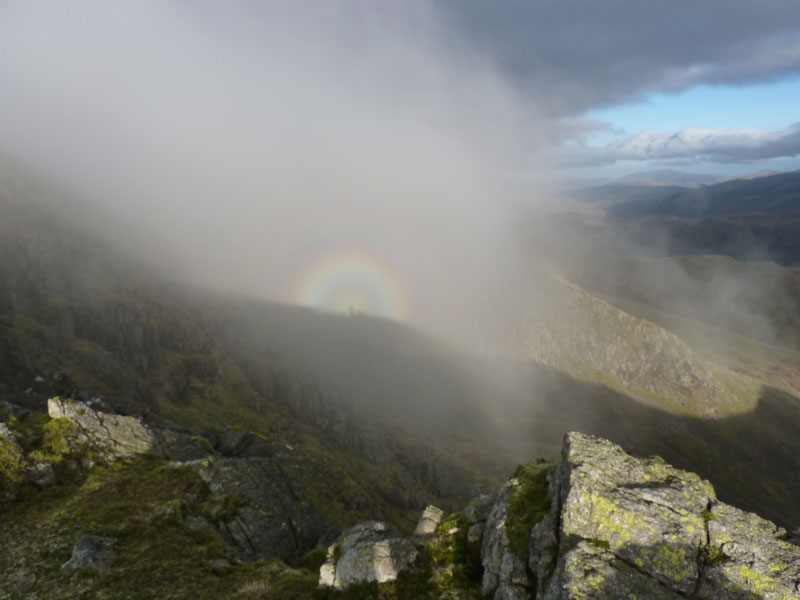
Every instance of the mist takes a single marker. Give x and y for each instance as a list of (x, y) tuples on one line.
[(352, 157), (250, 143)]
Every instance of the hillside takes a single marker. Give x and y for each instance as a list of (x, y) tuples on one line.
[(361, 418), (79, 318)]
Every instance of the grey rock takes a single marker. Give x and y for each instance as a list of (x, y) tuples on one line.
[(367, 552), (42, 475), (92, 552), (278, 517), (429, 520), (624, 527), (5, 432), (475, 534), (477, 511), (592, 573), (116, 437), (749, 558), (648, 513), (505, 574)]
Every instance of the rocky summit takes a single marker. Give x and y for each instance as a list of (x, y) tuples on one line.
[(615, 526)]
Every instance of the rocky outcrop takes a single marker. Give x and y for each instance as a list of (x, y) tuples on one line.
[(476, 513), (274, 514), (624, 527), (114, 436), (505, 574), (266, 511), (368, 552)]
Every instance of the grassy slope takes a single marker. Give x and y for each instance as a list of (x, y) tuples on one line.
[(146, 504), (141, 503)]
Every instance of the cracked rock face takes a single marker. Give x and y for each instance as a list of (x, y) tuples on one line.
[(623, 527), (277, 518), (756, 560)]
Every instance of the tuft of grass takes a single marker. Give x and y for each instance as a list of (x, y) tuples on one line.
[(712, 556)]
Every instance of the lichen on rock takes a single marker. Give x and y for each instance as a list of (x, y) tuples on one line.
[(368, 552)]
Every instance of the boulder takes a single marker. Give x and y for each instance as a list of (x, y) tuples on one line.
[(92, 552), (622, 527), (115, 437), (368, 552), (429, 520)]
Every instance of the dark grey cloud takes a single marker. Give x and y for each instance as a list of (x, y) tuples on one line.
[(574, 55), (690, 145)]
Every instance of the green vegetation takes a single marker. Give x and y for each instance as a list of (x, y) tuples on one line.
[(712, 556), (12, 467), (529, 503), (142, 503)]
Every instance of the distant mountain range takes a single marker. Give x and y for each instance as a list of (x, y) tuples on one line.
[(669, 177), (772, 194), (756, 216)]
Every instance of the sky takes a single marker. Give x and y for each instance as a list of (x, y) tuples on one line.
[(707, 87), (382, 140), (761, 107)]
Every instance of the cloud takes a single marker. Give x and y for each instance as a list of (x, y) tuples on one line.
[(689, 145), (574, 55)]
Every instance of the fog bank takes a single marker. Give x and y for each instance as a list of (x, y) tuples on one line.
[(349, 156)]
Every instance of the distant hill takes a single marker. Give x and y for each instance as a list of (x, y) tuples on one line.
[(761, 173), (670, 178), (772, 194)]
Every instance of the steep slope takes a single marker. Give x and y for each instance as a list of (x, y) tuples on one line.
[(395, 419), (657, 395)]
